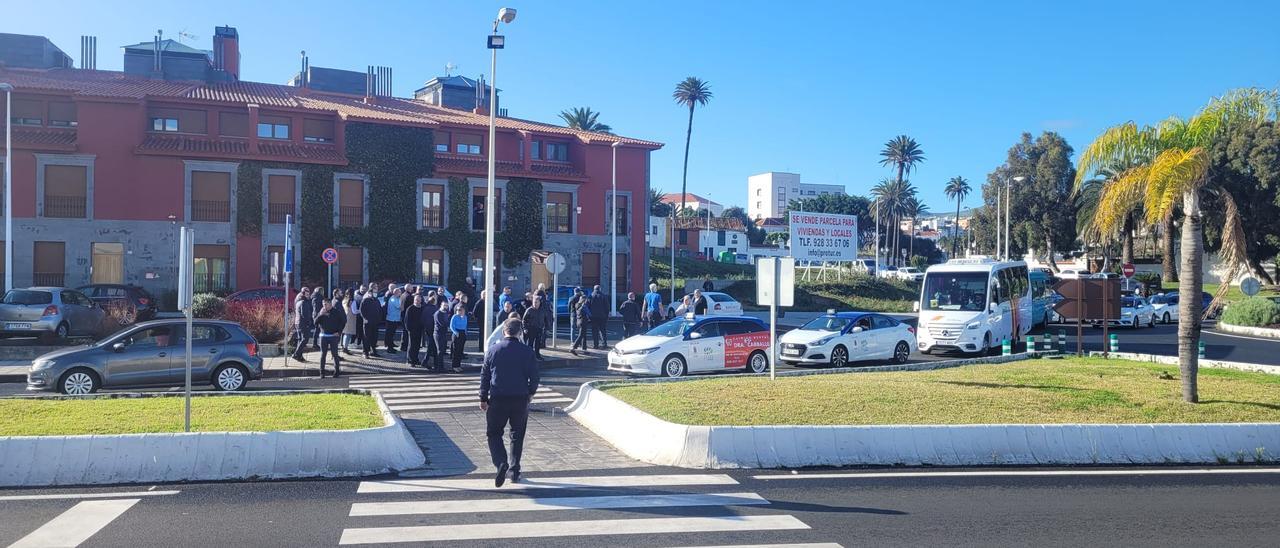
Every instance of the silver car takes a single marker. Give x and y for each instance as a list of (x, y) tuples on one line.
[(153, 354), (49, 312)]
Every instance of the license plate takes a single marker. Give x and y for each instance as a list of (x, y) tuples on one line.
[(791, 352), (16, 325)]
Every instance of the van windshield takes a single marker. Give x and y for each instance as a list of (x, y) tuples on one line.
[(955, 291)]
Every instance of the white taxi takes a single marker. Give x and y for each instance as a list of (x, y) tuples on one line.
[(836, 339), (695, 344)]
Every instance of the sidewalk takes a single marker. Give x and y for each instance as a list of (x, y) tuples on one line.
[(278, 366)]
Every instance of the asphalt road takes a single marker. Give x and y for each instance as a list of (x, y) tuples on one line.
[(649, 507)]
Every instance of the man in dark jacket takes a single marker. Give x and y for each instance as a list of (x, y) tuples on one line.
[(440, 322), (699, 302), (630, 311), (414, 323), (317, 297), (371, 311), (331, 321), (304, 322), (508, 380), (599, 318), (580, 310), (535, 321)]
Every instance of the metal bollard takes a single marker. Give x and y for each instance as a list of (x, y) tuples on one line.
[(1048, 341), (1115, 342), (1062, 340), (1201, 350), (1031, 343), (1006, 347)]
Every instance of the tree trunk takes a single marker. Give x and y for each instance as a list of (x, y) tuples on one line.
[(684, 178), (1168, 267), (955, 229), (1048, 245), (1189, 287), (1256, 266), (911, 240), (1126, 250)]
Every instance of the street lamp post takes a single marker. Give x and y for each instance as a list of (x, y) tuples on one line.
[(8, 184), (496, 42), (613, 233), (999, 232), (1008, 197)]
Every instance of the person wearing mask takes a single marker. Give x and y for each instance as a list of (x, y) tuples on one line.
[(304, 322), (630, 311), (440, 321), (458, 330), (653, 306), (599, 304), (581, 311), (349, 330), (508, 381), (355, 307), (392, 324), (414, 324), (371, 311), (331, 322), (699, 302), (317, 298), (535, 322)]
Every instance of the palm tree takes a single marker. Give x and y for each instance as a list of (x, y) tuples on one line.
[(1171, 163), (585, 119), (957, 189), (913, 208), (902, 153), (691, 92)]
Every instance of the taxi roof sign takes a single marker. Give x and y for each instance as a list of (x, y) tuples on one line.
[(688, 315)]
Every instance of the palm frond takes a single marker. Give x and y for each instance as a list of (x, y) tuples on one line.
[(1172, 173), (1126, 143), (1118, 197), (1233, 254), (1238, 106)]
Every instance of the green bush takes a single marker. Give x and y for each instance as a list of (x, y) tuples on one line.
[(1253, 312), (920, 262), (208, 305)]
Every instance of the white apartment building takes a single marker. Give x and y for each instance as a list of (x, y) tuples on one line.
[(769, 193)]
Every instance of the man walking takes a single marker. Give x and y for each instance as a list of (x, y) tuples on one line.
[(371, 311), (630, 311), (302, 309), (534, 322), (441, 334), (355, 309), (330, 321), (508, 381), (599, 319), (317, 298), (653, 306), (458, 328), (580, 309)]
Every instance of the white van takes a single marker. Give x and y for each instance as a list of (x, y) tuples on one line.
[(973, 304)]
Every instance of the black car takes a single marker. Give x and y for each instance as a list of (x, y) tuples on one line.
[(141, 305)]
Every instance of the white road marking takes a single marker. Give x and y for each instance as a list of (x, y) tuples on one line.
[(64, 496), (474, 392), (483, 531), (76, 525), (458, 484), (1015, 473), (1234, 336), (552, 503), (443, 398)]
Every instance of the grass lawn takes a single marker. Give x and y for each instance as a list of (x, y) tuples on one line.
[(1090, 390), (29, 417), (1234, 294)]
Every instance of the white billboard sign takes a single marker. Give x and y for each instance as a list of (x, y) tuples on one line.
[(823, 236)]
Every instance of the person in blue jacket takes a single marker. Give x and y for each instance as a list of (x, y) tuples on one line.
[(458, 328)]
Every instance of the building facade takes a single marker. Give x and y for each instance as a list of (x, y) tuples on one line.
[(107, 165), (768, 194), (693, 202)]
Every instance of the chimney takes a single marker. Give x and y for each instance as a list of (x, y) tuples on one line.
[(157, 68), (226, 51), (305, 75), (481, 97), (368, 83), (89, 52)]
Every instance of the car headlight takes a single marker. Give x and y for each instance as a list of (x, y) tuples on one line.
[(641, 352), (41, 364), (973, 325), (823, 341)]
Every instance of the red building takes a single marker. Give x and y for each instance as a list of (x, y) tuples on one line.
[(107, 165)]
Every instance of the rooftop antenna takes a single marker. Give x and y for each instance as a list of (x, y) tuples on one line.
[(183, 36), (449, 68)]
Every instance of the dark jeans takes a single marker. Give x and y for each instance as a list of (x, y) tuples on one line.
[(359, 330), (315, 335), (580, 336), (456, 345), (533, 338), (442, 344), (630, 329), (303, 335), (513, 410), (415, 345), (390, 338), (329, 345), (599, 336), (370, 338), (655, 319)]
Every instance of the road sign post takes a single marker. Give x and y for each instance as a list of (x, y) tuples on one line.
[(1128, 270), (775, 284), (1091, 299), (288, 273), (555, 265), (186, 293), (330, 256)]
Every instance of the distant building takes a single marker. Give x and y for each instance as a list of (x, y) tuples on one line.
[(694, 202), (702, 237), (772, 224), (769, 193)]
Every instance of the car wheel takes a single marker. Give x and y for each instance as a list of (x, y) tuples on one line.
[(230, 378), (1151, 320), (839, 356), (674, 366), (986, 345), (901, 352), (62, 330), (79, 382), (1166, 318), (758, 362)]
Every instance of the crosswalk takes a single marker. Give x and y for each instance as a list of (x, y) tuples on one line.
[(413, 393), (81, 521), (670, 508)]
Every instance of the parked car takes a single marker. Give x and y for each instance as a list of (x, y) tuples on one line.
[(1074, 274), (695, 344), (718, 304), (887, 271), (1135, 312), (1205, 299), (910, 274), (840, 338), (152, 354), (866, 266), (1165, 307), (141, 306), (49, 312)]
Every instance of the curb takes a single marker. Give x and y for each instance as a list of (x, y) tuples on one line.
[(1173, 360), (655, 441), (1261, 332), (206, 456)]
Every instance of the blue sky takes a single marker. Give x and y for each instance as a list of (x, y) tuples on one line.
[(808, 87)]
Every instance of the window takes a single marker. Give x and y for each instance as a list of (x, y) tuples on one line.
[(273, 127), (212, 268), (467, 144), (560, 212), (316, 131), (351, 203), (719, 237), (154, 337), (620, 212), (433, 206), (478, 204), (350, 266), (682, 236), (477, 268), (50, 265), (882, 322), (211, 196), (201, 335), (178, 120), (27, 113), (3, 267), (275, 265), (759, 191), (432, 271), (706, 330), (62, 114), (759, 205), (621, 274), (590, 269), (66, 191), (558, 152), (233, 124), (164, 124), (442, 141), (280, 197), (107, 266)]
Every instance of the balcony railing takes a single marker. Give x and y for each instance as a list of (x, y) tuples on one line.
[(65, 207), (50, 279), (276, 213), (351, 216), (433, 217), (210, 211)]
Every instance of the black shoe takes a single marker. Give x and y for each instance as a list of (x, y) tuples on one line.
[(336, 375), (515, 476), (574, 352), (299, 359), (457, 370), (375, 355), (501, 478)]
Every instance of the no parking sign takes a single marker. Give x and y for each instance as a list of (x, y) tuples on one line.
[(330, 255)]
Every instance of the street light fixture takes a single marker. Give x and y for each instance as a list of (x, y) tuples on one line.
[(1008, 197), (496, 42), (7, 88)]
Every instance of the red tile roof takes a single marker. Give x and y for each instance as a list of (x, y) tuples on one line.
[(43, 138), (468, 164), (717, 223), (674, 198)]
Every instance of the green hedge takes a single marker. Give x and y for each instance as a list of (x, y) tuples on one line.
[(1253, 312)]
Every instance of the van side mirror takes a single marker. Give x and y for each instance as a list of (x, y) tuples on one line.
[(993, 308), (695, 335), (857, 329), (915, 306)]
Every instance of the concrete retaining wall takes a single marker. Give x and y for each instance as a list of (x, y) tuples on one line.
[(202, 456), (650, 439), (1173, 360), (1262, 332)]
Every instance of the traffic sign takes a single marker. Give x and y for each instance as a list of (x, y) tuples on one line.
[(1083, 299), (1250, 286), (1128, 270), (555, 263), (330, 255)]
